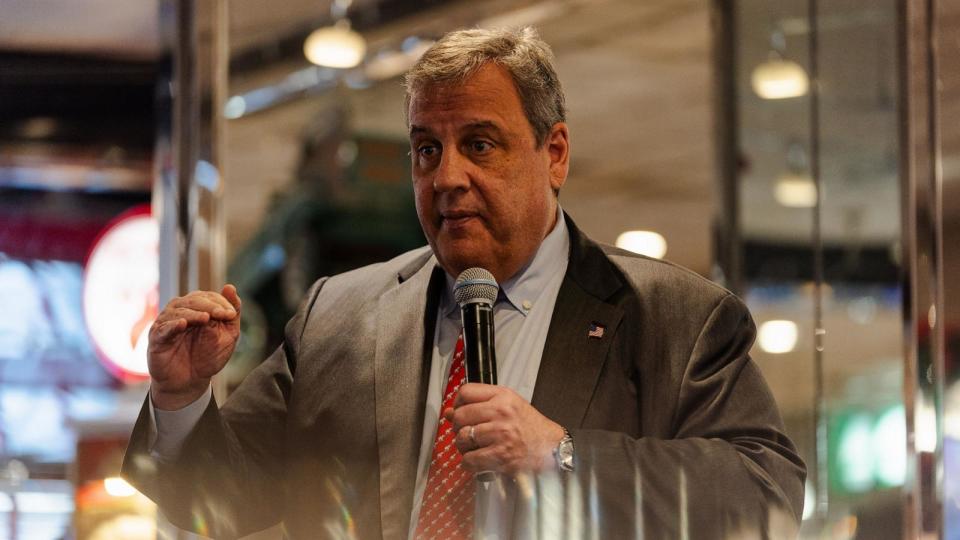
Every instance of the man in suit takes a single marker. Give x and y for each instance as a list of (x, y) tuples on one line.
[(628, 403)]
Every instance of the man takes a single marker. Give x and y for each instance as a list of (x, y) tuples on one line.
[(627, 405)]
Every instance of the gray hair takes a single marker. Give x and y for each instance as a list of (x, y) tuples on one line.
[(527, 58)]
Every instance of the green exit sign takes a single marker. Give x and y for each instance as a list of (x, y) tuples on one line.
[(867, 450)]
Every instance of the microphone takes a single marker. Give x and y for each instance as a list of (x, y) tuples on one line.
[(476, 291)]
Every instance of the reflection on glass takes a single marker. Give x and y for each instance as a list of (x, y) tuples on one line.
[(819, 230)]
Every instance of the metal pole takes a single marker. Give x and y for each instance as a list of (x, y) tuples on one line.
[(190, 146), (822, 478), (189, 149), (923, 360), (188, 170), (728, 243)]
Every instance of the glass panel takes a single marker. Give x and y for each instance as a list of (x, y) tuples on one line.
[(858, 141), (819, 203), (776, 196)]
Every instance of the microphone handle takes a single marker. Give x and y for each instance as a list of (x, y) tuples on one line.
[(480, 355)]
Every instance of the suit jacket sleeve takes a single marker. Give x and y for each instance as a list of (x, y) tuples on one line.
[(225, 482), (719, 467)]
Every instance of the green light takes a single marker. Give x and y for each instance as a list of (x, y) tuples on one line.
[(867, 449), (890, 447), (855, 456)]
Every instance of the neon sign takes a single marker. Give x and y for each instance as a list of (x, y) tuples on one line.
[(120, 292)]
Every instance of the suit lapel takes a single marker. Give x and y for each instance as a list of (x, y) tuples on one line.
[(572, 359), (406, 316)]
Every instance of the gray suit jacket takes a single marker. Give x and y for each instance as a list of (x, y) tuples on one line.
[(674, 427)]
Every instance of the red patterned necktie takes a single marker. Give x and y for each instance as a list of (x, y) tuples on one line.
[(448, 500)]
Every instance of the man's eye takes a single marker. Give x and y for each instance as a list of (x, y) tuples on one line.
[(427, 150), (480, 147)]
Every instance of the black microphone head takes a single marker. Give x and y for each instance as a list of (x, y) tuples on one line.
[(475, 285)]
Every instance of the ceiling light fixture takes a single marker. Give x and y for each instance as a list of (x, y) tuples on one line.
[(778, 78), (778, 337), (646, 243), (795, 190), (337, 45)]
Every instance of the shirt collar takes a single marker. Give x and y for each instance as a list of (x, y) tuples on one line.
[(523, 290)]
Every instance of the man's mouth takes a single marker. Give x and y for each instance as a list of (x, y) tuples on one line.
[(457, 218)]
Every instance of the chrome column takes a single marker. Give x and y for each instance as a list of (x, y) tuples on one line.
[(188, 160), (922, 232), (189, 156)]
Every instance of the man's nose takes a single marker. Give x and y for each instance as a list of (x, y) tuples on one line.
[(453, 172)]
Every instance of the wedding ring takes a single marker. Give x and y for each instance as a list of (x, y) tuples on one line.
[(473, 440)]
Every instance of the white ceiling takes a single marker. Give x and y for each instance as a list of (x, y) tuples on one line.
[(109, 27), (130, 28)]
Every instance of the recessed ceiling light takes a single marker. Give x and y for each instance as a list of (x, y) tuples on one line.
[(795, 190), (779, 79), (646, 243), (778, 337)]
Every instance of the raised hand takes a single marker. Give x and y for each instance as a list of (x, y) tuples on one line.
[(190, 342)]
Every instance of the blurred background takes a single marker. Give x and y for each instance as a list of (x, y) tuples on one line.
[(803, 153)]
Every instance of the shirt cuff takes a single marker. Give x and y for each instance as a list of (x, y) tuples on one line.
[(170, 429)]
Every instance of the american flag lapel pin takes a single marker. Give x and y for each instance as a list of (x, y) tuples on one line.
[(596, 330)]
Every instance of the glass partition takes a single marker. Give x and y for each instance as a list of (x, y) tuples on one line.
[(840, 228)]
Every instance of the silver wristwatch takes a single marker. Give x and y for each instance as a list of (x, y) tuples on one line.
[(564, 452)]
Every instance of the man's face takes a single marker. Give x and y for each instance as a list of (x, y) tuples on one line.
[(484, 189)]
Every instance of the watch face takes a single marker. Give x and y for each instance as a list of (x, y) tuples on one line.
[(565, 454)]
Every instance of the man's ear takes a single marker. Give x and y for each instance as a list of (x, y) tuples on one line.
[(558, 149)]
